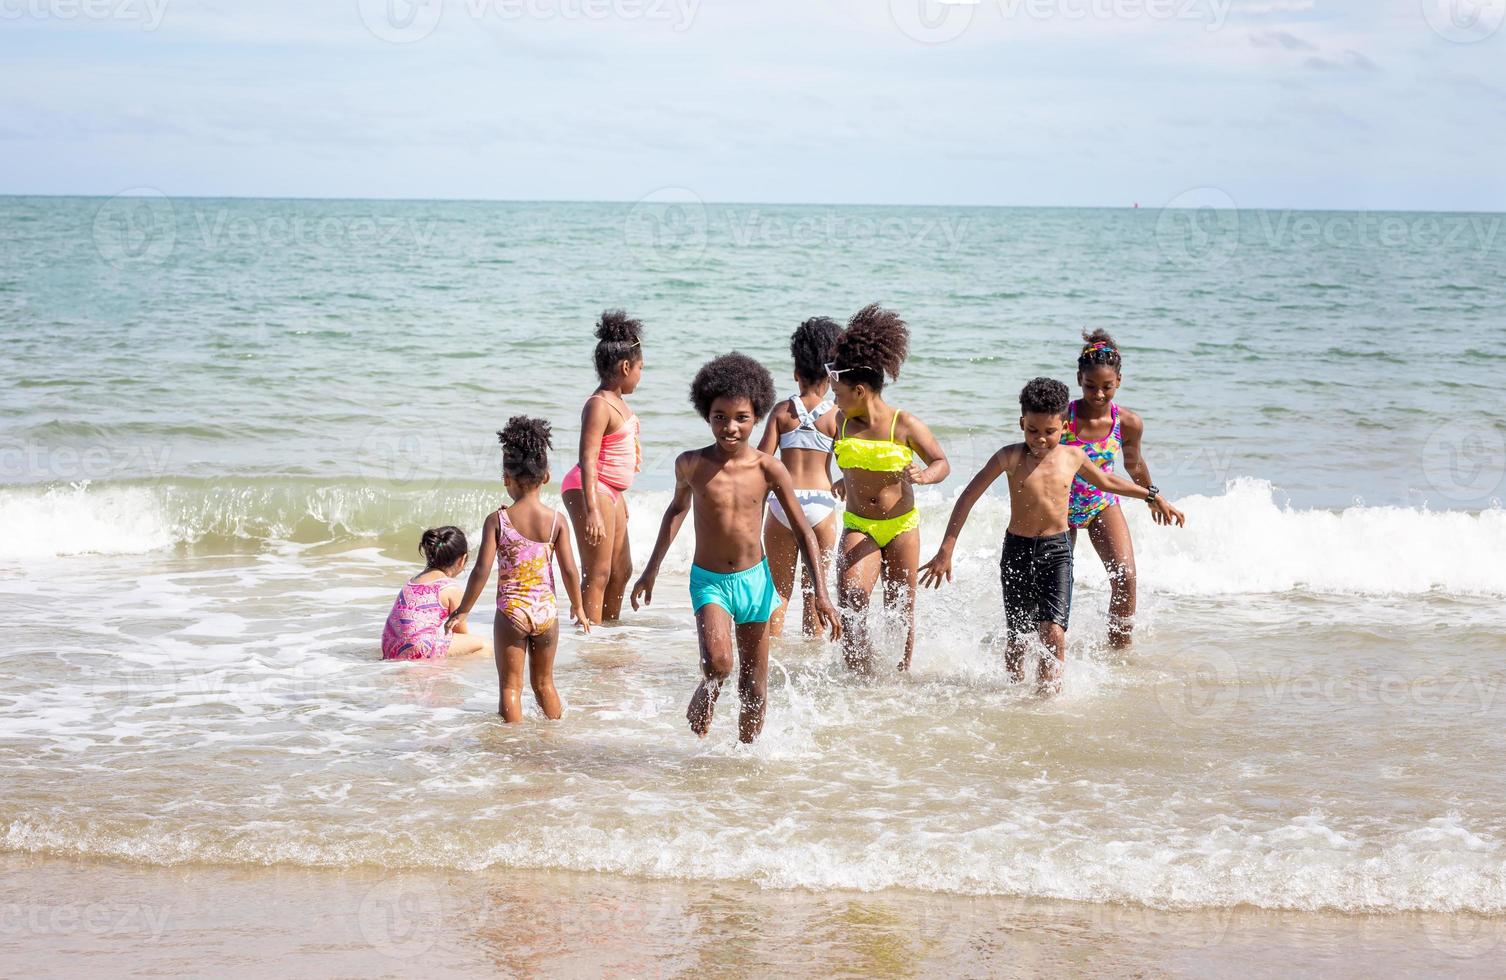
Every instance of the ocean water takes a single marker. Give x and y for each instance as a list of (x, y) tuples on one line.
[(223, 425)]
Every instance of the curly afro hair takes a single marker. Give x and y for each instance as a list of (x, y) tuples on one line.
[(1044, 396), (811, 346), (525, 449), (732, 376), (876, 343), (618, 338), (1098, 348)]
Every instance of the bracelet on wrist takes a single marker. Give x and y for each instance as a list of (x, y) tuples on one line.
[(1151, 493)]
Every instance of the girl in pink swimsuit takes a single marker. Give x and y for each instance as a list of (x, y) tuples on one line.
[(610, 456), (525, 539), (415, 628)]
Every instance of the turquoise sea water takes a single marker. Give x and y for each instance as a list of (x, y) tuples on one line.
[(223, 425), (1339, 356)]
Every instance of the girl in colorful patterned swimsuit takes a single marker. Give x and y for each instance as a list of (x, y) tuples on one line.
[(526, 538)]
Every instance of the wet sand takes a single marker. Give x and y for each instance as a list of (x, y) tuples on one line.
[(61, 917)]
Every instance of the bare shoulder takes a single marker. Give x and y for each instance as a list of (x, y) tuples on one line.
[(1009, 456), (1131, 422), (911, 427)]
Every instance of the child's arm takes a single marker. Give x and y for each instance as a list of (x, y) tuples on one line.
[(939, 567), (674, 516), (770, 441), (480, 572), (1131, 431), (1114, 483), (564, 556), (450, 598), (919, 438), (784, 491), (593, 425)]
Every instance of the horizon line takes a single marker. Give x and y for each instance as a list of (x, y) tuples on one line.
[(1134, 206)]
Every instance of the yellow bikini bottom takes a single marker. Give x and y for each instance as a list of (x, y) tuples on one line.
[(884, 530)]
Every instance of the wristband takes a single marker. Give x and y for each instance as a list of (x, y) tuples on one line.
[(1151, 493)]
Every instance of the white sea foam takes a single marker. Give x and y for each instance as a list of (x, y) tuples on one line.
[(1239, 542)]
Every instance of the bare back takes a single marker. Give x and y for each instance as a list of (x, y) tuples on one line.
[(810, 469)]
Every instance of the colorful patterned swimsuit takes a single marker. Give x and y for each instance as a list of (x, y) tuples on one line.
[(415, 627), (525, 578), (1087, 500)]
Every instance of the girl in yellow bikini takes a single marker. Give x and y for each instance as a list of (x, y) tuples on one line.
[(876, 449)]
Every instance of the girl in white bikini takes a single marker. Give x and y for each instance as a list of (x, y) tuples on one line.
[(802, 429)]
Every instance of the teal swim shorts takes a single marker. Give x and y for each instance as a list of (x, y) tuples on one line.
[(747, 595)]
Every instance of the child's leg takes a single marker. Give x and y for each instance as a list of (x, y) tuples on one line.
[(752, 678), (621, 566), (826, 540), (541, 670), (779, 547), (901, 570), (714, 630), (511, 656), (595, 559), (1052, 666), (1110, 535), (465, 644), (859, 563), (1019, 604)]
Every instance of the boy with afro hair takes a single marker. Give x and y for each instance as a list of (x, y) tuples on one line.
[(1036, 568), (730, 585)]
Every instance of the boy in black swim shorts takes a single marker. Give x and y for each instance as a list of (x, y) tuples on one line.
[(1036, 568)]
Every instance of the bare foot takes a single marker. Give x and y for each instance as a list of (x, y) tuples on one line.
[(701, 705)]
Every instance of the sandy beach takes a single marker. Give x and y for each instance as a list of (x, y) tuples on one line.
[(63, 918)]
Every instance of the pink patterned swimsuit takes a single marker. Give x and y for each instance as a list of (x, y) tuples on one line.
[(525, 578), (415, 627)]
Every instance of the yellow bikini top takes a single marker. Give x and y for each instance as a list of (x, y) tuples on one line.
[(875, 455)]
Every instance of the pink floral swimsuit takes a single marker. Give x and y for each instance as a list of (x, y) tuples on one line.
[(415, 627), (525, 578)]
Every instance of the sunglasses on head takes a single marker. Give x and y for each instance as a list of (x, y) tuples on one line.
[(835, 373)]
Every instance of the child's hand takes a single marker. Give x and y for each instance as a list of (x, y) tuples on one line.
[(451, 620), (1163, 513), (933, 571), (579, 615), (912, 474), (829, 618), (643, 588), (839, 489)]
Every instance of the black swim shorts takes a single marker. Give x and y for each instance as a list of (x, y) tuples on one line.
[(1037, 576)]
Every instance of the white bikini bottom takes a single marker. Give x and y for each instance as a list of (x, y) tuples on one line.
[(817, 505)]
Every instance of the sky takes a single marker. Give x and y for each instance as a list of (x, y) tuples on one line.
[(1335, 104)]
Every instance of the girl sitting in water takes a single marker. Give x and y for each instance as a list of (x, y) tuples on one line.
[(416, 627), (610, 455), (876, 448), (525, 538), (1099, 426), (801, 430)]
